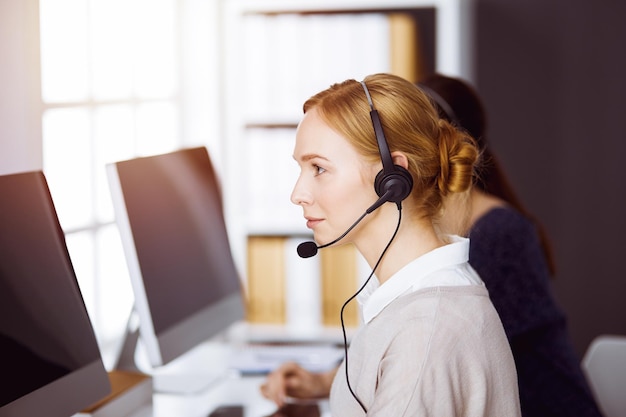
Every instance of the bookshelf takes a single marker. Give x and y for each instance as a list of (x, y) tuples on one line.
[(277, 53)]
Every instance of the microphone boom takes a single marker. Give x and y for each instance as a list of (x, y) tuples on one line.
[(308, 249)]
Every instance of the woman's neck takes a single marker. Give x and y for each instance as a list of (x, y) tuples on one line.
[(414, 238)]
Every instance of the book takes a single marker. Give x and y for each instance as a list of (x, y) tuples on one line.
[(339, 270), (266, 279), (129, 391), (301, 293), (405, 48)]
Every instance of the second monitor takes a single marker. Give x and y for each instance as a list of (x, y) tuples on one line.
[(169, 212)]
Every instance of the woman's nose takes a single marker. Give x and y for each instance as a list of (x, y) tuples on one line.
[(299, 195)]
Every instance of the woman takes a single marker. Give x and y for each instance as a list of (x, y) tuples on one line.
[(431, 343), (510, 251)]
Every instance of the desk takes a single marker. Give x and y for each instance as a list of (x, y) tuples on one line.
[(248, 332), (226, 389), (230, 390)]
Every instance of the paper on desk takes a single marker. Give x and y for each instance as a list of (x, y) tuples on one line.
[(262, 359)]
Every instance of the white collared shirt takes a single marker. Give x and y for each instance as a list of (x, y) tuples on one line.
[(444, 266)]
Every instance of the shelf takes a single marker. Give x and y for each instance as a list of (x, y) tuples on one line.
[(331, 6), (279, 53), (272, 124)]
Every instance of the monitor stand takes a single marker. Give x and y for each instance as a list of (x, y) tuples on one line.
[(194, 372)]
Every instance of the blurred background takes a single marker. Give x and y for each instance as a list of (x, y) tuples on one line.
[(87, 82)]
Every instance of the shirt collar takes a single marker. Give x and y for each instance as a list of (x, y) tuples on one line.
[(418, 274)]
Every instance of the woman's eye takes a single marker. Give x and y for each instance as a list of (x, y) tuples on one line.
[(318, 169)]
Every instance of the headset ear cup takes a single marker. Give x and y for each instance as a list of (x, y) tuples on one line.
[(399, 182)]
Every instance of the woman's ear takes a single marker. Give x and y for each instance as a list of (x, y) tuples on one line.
[(400, 159)]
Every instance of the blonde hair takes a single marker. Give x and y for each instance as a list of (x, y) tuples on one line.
[(441, 159)]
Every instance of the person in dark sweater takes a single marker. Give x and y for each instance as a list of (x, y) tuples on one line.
[(510, 251)]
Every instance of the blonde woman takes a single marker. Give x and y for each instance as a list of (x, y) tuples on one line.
[(431, 343)]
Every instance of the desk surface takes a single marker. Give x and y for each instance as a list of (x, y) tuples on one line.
[(259, 333), (208, 361), (232, 390)]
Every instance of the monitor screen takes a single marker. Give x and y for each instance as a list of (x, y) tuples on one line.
[(50, 362), (169, 212)]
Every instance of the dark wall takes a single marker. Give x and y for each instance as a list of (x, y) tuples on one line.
[(553, 75)]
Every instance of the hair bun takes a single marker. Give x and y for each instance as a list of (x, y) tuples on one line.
[(458, 156)]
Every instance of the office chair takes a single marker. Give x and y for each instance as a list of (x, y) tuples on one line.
[(604, 364)]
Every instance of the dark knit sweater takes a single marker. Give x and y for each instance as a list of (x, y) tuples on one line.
[(506, 253)]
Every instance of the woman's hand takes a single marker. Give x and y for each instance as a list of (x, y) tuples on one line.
[(291, 380)]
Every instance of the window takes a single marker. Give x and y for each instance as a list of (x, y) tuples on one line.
[(112, 89)]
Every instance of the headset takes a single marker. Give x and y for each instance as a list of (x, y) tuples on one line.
[(393, 183)]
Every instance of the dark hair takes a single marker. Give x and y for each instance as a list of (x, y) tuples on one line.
[(459, 103)]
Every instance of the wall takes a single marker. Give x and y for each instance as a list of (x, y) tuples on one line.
[(20, 125), (552, 75)]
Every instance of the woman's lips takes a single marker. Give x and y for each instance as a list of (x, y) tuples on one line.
[(311, 223)]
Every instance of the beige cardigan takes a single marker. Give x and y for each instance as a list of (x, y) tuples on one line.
[(439, 352)]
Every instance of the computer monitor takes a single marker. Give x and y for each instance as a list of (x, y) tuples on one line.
[(50, 362), (168, 208)]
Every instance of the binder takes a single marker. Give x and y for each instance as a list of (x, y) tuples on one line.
[(339, 270), (266, 279)]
